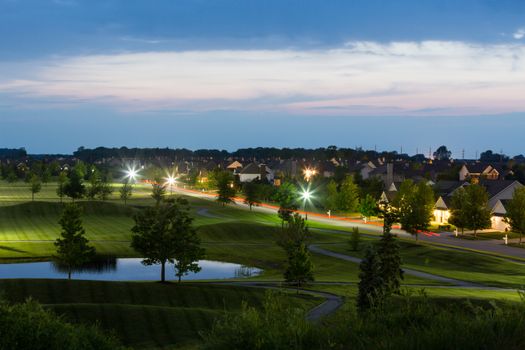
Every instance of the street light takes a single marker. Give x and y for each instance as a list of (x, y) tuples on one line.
[(170, 181), (305, 196), (132, 174), (309, 173)]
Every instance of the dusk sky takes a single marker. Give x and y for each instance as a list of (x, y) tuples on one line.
[(228, 74)]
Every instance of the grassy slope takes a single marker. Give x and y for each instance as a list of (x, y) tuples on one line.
[(142, 314), (462, 265)]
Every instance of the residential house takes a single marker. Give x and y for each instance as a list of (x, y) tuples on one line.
[(255, 171)]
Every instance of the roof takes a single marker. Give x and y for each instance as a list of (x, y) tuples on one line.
[(494, 187), (251, 169)]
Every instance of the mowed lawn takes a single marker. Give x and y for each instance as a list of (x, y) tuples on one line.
[(144, 315), (462, 265)]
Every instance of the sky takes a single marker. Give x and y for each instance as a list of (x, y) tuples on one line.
[(392, 75)]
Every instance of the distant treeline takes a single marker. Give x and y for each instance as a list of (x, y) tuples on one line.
[(91, 155), (13, 153)]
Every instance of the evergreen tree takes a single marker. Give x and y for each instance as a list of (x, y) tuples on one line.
[(293, 234), (299, 270), (370, 291), (354, 239), (390, 259), (35, 186), (225, 188), (73, 249)]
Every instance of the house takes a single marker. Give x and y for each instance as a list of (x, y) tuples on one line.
[(498, 215), (234, 167), (255, 171), (499, 193), (479, 171)]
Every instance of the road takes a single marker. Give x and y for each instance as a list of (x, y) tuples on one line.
[(444, 238)]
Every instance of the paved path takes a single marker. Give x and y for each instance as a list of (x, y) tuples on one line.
[(331, 304), (458, 283)]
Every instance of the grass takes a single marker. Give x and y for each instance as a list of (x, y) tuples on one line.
[(461, 265), (143, 315)]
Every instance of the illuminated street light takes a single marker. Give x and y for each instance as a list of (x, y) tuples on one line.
[(309, 173), (170, 181), (132, 174), (306, 195)]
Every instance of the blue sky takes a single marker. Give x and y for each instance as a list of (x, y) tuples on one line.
[(238, 73)]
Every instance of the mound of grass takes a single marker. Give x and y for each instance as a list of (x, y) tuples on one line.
[(143, 315)]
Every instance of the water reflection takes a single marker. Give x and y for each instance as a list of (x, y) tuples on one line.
[(112, 269)]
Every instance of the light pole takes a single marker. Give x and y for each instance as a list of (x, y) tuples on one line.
[(306, 195), (170, 180)]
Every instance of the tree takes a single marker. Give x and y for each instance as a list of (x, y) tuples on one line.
[(299, 270), (332, 196), (188, 251), (74, 188), (126, 191), (515, 216), (415, 205), (368, 207), (286, 196), (442, 153), (299, 267), (94, 184), (164, 233), (355, 238), (35, 185), (294, 233), (73, 249), (252, 194), (62, 182), (476, 209), (458, 216), (348, 195), (370, 281), (225, 188), (388, 251), (158, 191)]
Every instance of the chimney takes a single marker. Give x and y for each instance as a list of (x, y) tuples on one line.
[(389, 174)]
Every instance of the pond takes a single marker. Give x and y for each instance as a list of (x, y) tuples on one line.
[(128, 269)]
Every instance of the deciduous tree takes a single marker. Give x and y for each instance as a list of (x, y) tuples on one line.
[(225, 188), (415, 204), (35, 186), (515, 216)]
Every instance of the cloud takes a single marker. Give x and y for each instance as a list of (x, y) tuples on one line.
[(358, 78), (519, 34)]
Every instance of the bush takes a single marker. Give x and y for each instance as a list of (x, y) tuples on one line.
[(30, 326), (277, 326)]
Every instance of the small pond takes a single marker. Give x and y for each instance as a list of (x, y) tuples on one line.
[(112, 269)]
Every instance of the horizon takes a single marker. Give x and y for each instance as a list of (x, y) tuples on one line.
[(230, 75)]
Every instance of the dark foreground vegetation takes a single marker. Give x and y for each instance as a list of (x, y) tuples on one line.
[(30, 326), (406, 322)]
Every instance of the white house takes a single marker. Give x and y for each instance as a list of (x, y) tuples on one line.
[(255, 171)]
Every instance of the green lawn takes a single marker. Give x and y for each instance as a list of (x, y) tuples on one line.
[(143, 315), (461, 265)]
